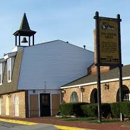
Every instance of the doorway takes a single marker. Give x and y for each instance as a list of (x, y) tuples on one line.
[(45, 104), (93, 98)]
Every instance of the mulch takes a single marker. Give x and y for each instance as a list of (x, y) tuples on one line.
[(81, 124)]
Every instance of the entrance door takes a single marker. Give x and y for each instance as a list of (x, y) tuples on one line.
[(45, 104)]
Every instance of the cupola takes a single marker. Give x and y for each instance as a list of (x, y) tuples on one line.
[(25, 33)]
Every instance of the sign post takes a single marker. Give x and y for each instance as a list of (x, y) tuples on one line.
[(108, 50)]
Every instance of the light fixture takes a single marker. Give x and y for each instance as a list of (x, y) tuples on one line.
[(63, 91), (81, 88), (9, 95), (106, 86), (1, 96)]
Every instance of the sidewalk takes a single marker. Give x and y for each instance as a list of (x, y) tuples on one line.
[(72, 125)]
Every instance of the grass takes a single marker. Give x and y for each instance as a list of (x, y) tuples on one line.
[(106, 121), (89, 119), (80, 119)]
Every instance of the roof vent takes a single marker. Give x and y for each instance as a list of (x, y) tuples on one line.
[(84, 46)]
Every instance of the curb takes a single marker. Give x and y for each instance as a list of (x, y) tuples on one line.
[(18, 122), (70, 128)]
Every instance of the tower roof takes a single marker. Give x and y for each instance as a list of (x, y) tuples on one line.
[(24, 24), (24, 29)]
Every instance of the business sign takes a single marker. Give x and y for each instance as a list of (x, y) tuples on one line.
[(109, 41)]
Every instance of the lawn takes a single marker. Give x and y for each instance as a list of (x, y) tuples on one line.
[(89, 119)]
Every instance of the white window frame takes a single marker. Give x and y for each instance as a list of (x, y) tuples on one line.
[(9, 70), (2, 65), (1, 74)]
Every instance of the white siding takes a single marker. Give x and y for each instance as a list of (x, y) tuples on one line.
[(53, 64)]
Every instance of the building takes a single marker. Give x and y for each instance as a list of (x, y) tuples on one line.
[(31, 75), (84, 89)]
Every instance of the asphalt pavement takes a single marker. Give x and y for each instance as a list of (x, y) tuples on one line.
[(13, 126)]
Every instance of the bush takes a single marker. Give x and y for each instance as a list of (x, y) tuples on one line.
[(90, 110), (125, 108), (106, 109), (68, 109), (115, 109)]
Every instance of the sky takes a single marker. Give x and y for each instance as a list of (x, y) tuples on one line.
[(67, 20)]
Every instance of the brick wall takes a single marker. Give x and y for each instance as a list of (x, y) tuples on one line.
[(107, 95), (93, 69)]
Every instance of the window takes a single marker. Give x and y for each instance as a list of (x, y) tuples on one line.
[(125, 94), (2, 65), (0, 106), (1, 73), (7, 106), (16, 106), (126, 97), (9, 70), (10, 63), (74, 97)]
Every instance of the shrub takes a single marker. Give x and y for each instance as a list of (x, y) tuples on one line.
[(125, 108), (72, 109), (115, 109), (90, 110), (66, 109), (106, 109)]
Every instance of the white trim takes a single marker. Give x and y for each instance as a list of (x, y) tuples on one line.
[(17, 48), (51, 103), (92, 83), (9, 69), (8, 55), (39, 109), (29, 103)]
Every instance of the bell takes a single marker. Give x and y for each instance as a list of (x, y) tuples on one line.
[(24, 40)]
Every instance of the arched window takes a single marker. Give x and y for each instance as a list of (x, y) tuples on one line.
[(125, 94), (74, 97), (93, 98)]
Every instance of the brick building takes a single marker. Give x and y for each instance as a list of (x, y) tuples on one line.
[(84, 89)]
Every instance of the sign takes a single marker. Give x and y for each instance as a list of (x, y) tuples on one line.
[(108, 51), (109, 43)]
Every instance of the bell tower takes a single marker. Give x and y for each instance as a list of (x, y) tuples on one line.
[(24, 32)]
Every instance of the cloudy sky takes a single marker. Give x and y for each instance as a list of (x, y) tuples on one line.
[(67, 20)]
